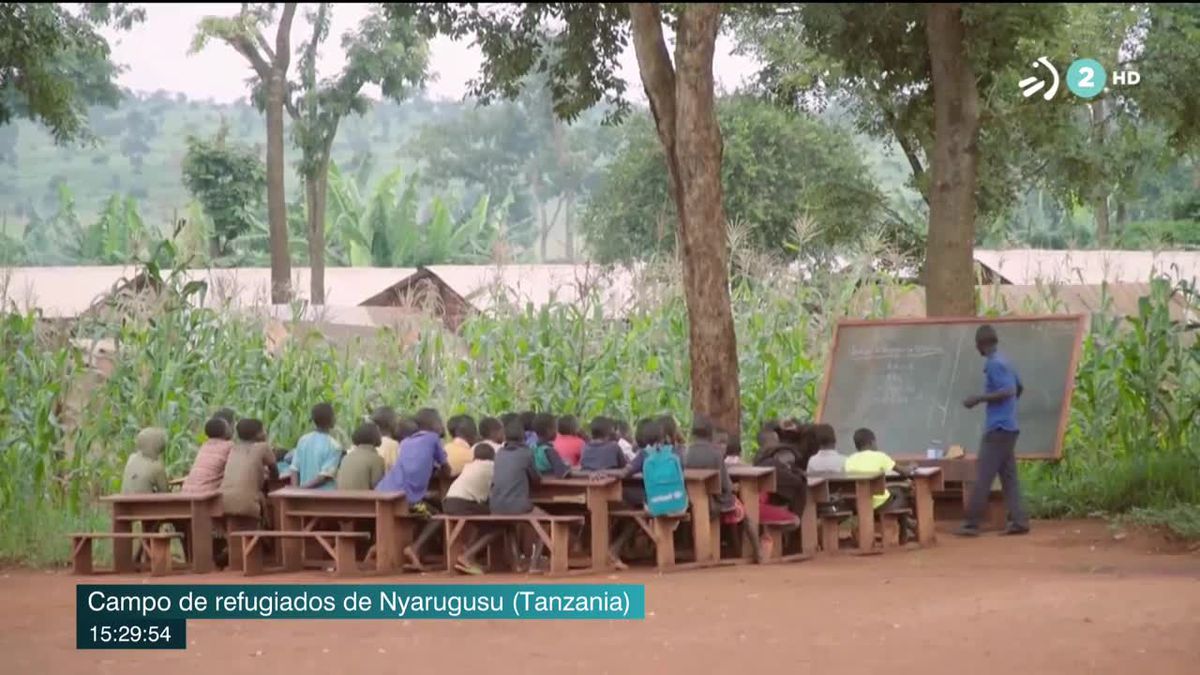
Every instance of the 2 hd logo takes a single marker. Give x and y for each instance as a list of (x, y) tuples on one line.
[(1086, 78)]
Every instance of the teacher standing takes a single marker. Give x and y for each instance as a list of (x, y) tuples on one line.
[(997, 452)]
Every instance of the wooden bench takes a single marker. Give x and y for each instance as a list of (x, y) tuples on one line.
[(889, 525), (341, 550), (775, 532), (557, 541), (159, 545), (660, 529), (831, 527)]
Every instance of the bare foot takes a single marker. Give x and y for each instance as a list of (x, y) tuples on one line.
[(413, 558)]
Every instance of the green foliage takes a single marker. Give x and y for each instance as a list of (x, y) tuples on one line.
[(778, 167), (54, 62), (229, 181), (118, 236)]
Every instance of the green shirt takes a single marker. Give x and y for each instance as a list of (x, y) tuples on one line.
[(871, 461), (361, 469)]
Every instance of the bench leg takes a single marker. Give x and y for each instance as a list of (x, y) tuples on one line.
[(160, 557), (560, 554), (924, 508), (809, 526), (890, 526), (81, 556), (236, 524), (775, 536), (664, 543), (122, 548), (830, 534), (346, 561), (252, 557)]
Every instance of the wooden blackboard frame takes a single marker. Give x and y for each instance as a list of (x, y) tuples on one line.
[(1068, 391)]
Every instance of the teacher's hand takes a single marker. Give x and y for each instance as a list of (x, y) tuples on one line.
[(970, 402)]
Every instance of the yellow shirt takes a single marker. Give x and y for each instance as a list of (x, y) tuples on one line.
[(871, 461), (389, 450), (459, 453)]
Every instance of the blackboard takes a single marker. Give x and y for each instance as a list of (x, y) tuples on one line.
[(906, 380)]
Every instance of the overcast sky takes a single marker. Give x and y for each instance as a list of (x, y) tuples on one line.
[(155, 54)]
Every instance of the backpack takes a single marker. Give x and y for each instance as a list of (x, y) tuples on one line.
[(662, 475), (540, 461)]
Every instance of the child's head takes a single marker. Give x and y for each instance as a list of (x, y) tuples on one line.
[(322, 416), (864, 439), (485, 452), (670, 430), (151, 442), (767, 438), (463, 426), (405, 427), (824, 437), (702, 428), (514, 430), (602, 429), (568, 425), (367, 433), (429, 419), (649, 433), (217, 428), (251, 430), (622, 429), (228, 415), (491, 429), (545, 426), (527, 418), (386, 419), (731, 442), (986, 339)]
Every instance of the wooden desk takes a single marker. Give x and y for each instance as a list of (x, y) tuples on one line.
[(926, 481), (960, 474), (387, 509), (706, 530), (752, 482), (865, 485), (594, 492), (818, 492), (198, 508)]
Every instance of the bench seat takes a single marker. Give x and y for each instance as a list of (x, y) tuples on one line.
[(660, 530), (557, 540), (341, 550), (159, 544)]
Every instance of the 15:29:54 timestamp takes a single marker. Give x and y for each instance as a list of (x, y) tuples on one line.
[(131, 634)]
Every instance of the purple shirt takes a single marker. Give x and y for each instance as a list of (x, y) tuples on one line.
[(420, 454)]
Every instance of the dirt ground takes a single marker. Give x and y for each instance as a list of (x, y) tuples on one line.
[(1066, 599)]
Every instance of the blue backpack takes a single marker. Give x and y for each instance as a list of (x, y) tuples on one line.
[(662, 475)]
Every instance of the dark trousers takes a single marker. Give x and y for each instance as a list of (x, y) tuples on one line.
[(997, 457)]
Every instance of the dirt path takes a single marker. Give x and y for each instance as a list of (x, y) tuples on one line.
[(1067, 599)]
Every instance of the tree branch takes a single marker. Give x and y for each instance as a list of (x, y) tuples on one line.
[(658, 75), (283, 38), (263, 45)]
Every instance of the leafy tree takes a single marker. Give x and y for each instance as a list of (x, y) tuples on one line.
[(244, 32), (54, 63), (576, 47), (118, 236), (778, 166), (388, 53), (228, 180), (135, 145)]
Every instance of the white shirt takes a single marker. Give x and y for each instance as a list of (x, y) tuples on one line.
[(830, 461), (474, 483)]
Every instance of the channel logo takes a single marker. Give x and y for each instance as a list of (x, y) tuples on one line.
[(1033, 84)]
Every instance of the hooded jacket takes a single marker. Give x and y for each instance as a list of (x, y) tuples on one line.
[(144, 472)]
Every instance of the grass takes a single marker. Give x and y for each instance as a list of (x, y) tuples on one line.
[(65, 432)]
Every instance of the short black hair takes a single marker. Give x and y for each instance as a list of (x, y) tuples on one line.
[(767, 437), (670, 428), (228, 415), (545, 426), (864, 438), (491, 429), (527, 419), (649, 432), (463, 426), (568, 425), (217, 427), (602, 428), (429, 419), (622, 429), (986, 335), (514, 430), (484, 451), (405, 427), (702, 428), (322, 416), (733, 444), (367, 433), (824, 437), (385, 418), (249, 429)]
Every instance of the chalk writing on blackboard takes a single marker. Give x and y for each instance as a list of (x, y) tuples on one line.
[(885, 352)]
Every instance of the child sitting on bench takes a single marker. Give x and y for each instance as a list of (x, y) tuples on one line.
[(468, 496), (513, 479), (868, 459)]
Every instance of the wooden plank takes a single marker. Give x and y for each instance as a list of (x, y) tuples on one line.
[(81, 555), (346, 562), (560, 540), (122, 547), (161, 497), (598, 495), (201, 537), (664, 543), (293, 548), (702, 525), (889, 524), (252, 557), (864, 510), (454, 543), (160, 556), (923, 487), (830, 534), (338, 495), (808, 519)]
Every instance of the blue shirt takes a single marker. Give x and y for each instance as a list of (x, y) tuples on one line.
[(1000, 375), (531, 439), (419, 455), (317, 454)]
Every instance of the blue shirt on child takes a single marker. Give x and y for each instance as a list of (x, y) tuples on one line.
[(420, 454), (1000, 376), (316, 454)]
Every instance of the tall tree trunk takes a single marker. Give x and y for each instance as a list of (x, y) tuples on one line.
[(949, 268), (281, 260), (682, 101), (569, 227), (315, 190), (1100, 194)]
